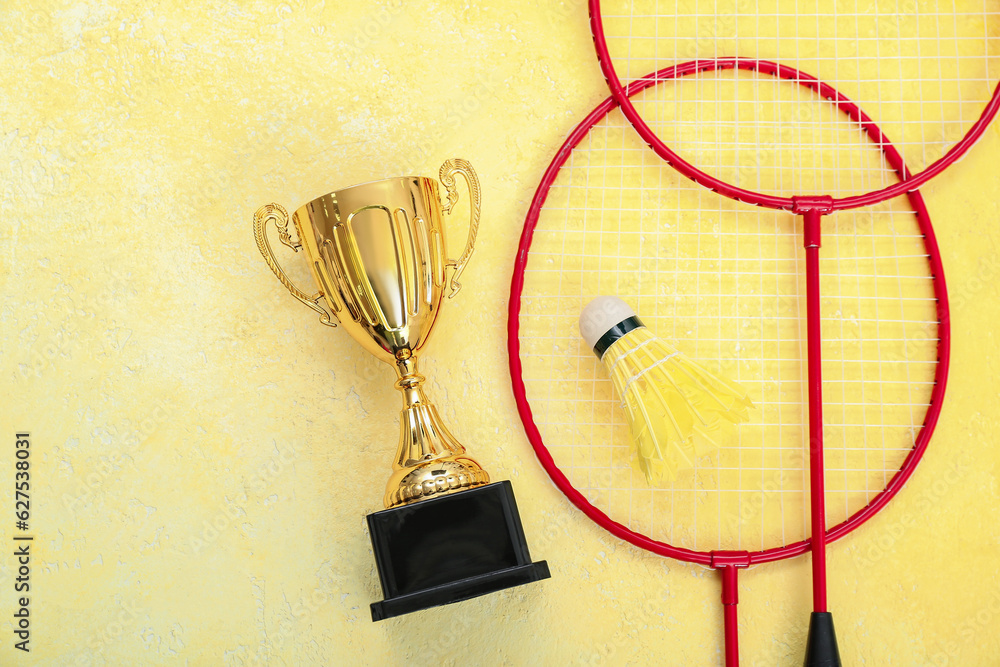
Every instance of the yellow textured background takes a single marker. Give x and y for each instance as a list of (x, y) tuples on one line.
[(205, 452)]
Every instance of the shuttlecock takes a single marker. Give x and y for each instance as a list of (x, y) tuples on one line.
[(676, 409)]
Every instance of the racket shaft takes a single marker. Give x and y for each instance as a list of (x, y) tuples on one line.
[(817, 485), (730, 598)]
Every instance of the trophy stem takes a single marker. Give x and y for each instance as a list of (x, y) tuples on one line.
[(430, 462)]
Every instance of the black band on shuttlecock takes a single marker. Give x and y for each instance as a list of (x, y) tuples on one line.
[(614, 333)]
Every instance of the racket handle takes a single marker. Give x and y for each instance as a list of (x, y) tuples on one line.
[(821, 646)]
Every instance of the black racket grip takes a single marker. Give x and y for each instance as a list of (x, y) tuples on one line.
[(821, 647)]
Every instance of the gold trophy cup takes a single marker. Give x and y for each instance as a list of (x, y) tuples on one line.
[(377, 252)]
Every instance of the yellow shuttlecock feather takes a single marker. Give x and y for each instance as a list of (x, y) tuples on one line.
[(676, 409)]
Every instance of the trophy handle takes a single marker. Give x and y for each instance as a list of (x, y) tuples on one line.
[(279, 215), (447, 176)]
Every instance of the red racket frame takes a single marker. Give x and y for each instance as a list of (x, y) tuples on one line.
[(908, 182), (812, 209)]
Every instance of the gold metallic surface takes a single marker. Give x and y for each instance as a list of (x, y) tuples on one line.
[(279, 215), (447, 176), (378, 254)]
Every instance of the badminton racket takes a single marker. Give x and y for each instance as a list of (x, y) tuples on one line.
[(927, 72), (727, 284)]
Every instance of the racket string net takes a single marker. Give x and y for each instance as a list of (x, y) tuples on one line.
[(724, 283), (923, 71)]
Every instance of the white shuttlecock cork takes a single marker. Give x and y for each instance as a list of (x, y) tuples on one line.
[(600, 315)]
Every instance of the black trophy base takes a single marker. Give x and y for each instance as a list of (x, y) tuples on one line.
[(450, 549)]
